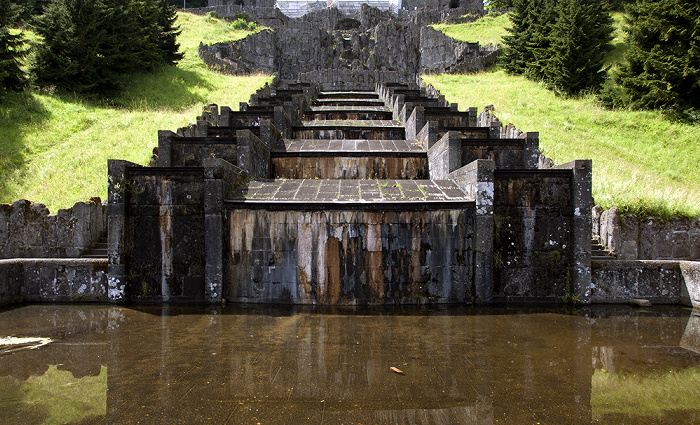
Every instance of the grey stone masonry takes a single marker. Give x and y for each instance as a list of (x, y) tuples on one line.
[(630, 237), (308, 48), (29, 230)]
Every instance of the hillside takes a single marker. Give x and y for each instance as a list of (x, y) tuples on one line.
[(642, 162), (54, 148)]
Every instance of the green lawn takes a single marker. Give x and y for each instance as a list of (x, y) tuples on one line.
[(54, 149), (488, 29), (642, 162)]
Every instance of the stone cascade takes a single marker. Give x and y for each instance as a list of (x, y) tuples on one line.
[(381, 194)]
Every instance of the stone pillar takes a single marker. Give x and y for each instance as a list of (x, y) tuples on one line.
[(213, 236), (445, 156), (202, 128), (473, 116), (165, 148), (414, 123), (116, 229), (225, 115), (478, 181), (531, 153), (582, 203)]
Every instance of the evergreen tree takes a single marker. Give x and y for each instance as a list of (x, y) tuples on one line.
[(580, 40), (71, 57), (168, 33), (525, 49), (12, 52), (94, 46), (516, 55), (662, 68), (539, 42)]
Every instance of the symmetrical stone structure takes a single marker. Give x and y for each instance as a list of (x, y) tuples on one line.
[(371, 41), (382, 193)]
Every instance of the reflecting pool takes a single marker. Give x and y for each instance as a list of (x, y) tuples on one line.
[(93, 364)]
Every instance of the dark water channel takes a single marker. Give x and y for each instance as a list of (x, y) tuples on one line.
[(109, 364)]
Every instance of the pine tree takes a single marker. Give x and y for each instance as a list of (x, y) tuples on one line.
[(94, 46), (540, 40), (71, 57), (580, 40), (167, 33), (12, 52), (662, 68), (516, 55), (525, 50)]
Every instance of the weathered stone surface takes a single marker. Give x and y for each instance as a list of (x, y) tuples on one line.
[(53, 280), (649, 238), (660, 282), (341, 257)]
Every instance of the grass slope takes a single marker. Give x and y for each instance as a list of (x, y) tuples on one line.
[(642, 162), (488, 29), (54, 149)]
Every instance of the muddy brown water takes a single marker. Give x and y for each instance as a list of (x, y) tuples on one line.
[(237, 365)]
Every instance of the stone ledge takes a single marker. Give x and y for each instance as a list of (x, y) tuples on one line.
[(53, 280), (659, 281)]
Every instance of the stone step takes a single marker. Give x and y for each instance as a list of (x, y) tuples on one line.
[(348, 113), (350, 129), (350, 190), (99, 249), (348, 102), (350, 159), (365, 95), (347, 146)]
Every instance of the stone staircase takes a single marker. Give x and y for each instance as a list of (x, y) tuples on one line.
[(99, 249), (310, 194)]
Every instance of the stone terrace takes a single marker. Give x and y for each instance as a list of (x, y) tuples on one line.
[(382, 194)]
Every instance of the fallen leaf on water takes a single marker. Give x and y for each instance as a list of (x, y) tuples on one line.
[(397, 370)]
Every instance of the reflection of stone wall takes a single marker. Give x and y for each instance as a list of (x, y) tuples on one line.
[(649, 238), (28, 230)]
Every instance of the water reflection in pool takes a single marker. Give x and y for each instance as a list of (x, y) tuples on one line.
[(290, 366)]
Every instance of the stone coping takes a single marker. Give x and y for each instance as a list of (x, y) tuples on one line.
[(347, 108), (55, 261), (357, 190), (341, 124), (340, 147)]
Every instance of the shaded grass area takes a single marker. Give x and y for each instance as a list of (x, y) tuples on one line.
[(672, 397), (54, 148), (642, 162)]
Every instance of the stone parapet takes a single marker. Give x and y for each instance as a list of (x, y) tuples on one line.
[(630, 237), (28, 229), (659, 281), (53, 280)]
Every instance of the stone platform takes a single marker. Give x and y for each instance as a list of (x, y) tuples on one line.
[(380, 195)]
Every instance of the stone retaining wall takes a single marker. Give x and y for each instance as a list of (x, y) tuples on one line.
[(389, 45), (53, 280), (28, 230), (661, 282), (651, 238)]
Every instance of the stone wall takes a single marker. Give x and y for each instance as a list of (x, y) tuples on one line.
[(28, 230), (306, 46), (53, 280), (661, 282), (354, 256), (651, 238)]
